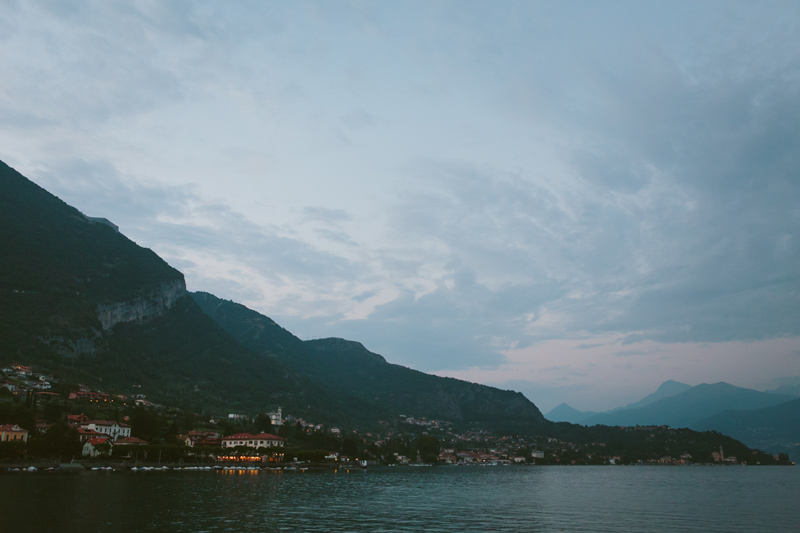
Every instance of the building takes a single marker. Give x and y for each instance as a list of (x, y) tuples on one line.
[(92, 448), (276, 417), (86, 434), (262, 440), (200, 438), (77, 420), (89, 396), (111, 428), (130, 441), (12, 432)]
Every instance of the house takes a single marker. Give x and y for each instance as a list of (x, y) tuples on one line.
[(77, 420), (93, 448), (262, 440), (23, 370), (86, 434), (111, 428), (97, 397), (12, 432), (130, 441), (200, 438), (448, 458)]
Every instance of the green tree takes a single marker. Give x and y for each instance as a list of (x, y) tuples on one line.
[(52, 412), (60, 440), (428, 448), (262, 424), (104, 448), (350, 447), (145, 424)]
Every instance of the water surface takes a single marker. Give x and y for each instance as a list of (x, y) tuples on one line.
[(646, 499)]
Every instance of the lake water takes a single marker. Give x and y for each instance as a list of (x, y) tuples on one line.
[(642, 499)]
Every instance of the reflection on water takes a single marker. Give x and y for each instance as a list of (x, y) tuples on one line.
[(653, 499)]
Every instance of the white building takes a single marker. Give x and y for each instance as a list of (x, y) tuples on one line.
[(262, 440), (276, 417), (111, 428)]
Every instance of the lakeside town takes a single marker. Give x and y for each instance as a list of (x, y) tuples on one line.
[(48, 422)]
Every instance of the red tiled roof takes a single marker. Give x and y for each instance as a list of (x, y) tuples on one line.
[(238, 436), (97, 440), (267, 436), (106, 423), (248, 436), (130, 440)]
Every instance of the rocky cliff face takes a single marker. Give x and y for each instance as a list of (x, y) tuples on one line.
[(143, 307)]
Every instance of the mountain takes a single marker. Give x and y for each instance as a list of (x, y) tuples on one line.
[(775, 428), (790, 390), (665, 390), (689, 407), (565, 413), (81, 301), (79, 298), (360, 377)]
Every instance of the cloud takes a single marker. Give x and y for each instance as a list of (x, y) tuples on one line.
[(453, 185), (215, 245), (326, 215)]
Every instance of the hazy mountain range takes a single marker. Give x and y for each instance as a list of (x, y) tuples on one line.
[(768, 420)]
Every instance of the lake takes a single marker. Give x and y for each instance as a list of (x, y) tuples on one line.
[(496, 498)]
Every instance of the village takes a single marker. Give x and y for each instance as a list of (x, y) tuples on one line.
[(43, 419)]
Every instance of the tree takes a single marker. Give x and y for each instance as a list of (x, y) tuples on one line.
[(350, 447), (145, 425), (52, 412), (428, 448), (60, 440), (104, 448), (263, 424)]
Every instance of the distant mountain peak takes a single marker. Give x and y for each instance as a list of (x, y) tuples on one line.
[(566, 413), (671, 384)]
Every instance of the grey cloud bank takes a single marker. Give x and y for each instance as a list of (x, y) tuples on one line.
[(567, 199)]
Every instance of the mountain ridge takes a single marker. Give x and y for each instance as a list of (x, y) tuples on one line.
[(690, 406), (348, 368), (80, 298)]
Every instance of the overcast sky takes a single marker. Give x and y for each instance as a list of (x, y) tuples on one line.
[(577, 200)]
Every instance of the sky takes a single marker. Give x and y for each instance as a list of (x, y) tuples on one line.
[(577, 200)]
